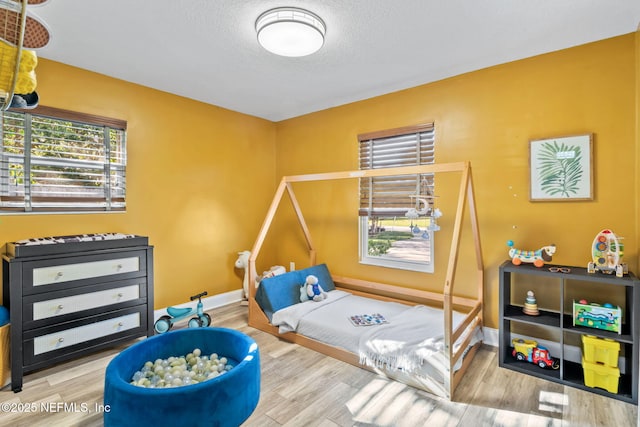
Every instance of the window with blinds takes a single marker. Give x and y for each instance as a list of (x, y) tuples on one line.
[(54, 160), (393, 196), (388, 237)]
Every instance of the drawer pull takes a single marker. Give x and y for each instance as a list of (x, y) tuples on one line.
[(60, 307), (60, 339), (60, 274), (120, 324), (119, 267), (120, 294)]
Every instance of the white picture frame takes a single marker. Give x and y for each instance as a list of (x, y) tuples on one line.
[(561, 169)]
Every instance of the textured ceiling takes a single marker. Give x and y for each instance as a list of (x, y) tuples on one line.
[(206, 49)]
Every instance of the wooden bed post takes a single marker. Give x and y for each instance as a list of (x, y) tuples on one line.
[(473, 215), (257, 246), (451, 271), (303, 224)]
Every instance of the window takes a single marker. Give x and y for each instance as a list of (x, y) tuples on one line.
[(54, 160), (397, 213)]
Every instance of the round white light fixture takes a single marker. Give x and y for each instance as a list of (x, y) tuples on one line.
[(290, 31)]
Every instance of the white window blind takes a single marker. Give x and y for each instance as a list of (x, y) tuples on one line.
[(59, 161), (393, 196)]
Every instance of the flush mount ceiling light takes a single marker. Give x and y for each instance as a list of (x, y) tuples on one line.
[(290, 31)]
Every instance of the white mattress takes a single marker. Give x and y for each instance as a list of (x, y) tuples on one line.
[(418, 328), (331, 323)]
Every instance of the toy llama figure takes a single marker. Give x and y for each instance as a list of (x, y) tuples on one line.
[(243, 262)]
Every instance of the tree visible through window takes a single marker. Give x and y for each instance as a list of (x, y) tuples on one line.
[(54, 160), (396, 229)]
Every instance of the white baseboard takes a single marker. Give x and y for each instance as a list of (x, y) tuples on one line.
[(490, 336), (208, 303)]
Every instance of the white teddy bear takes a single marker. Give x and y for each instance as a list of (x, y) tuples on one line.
[(313, 289)]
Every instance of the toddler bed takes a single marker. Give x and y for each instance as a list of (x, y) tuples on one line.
[(416, 343)]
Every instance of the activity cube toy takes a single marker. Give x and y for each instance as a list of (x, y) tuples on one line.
[(605, 317)]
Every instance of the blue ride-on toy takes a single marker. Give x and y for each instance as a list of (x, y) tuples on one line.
[(175, 314)]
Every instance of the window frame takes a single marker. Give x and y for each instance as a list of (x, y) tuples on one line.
[(111, 167), (364, 213)]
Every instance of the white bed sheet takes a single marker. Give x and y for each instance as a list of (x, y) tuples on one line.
[(331, 323), (328, 321)]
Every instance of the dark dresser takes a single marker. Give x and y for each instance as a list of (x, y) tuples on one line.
[(71, 295)]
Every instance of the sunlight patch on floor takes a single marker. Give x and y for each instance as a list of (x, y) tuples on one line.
[(364, 396), (380, 402), (553, 402), (388, 403)]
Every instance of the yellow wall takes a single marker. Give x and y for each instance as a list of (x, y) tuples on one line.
[(199, 179), (487, 117)]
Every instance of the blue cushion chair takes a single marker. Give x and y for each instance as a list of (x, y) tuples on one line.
[(227, 400)]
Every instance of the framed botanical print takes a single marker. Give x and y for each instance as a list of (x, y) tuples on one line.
[(561, 168)]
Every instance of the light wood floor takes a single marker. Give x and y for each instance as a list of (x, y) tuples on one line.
[(303, 388)]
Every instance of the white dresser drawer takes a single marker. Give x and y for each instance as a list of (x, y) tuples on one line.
[(66, 305), (79, 334), (84, 270)]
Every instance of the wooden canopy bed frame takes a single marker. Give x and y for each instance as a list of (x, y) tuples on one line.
[(472, 307)]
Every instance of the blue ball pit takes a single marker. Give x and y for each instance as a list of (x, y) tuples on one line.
[(227, 400)]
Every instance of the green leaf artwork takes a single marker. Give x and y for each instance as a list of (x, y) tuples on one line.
[(559, 168)]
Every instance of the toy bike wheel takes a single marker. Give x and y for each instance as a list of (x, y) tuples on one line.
[(163, 324), (206, 320), (195, 322)]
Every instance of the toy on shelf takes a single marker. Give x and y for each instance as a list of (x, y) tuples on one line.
[(592, 315), (538, 258), (530, 305), (607, 251), (529, 351), (201, 319)]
